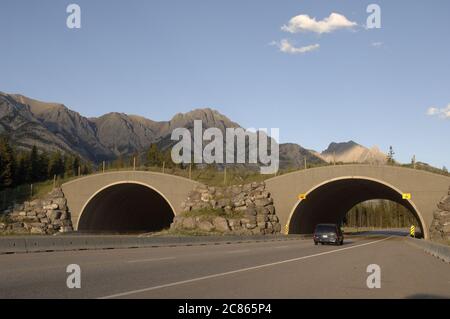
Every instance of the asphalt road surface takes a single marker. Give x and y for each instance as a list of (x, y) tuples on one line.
[(281, 269)]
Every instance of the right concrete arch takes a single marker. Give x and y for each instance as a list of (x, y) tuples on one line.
[(330, 202)]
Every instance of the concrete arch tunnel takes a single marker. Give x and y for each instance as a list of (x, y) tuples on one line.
[(346, 192), (331, 191), (125, 202), (126, 207)]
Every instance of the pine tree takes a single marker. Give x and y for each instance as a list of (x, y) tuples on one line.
[(23, 168), (390, 156), (35, 169), (7, 163), (154, 156), (75, 165), (56, 165)]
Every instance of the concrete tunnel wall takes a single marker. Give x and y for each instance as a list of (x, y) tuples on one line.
[(425, 188), (88, 195)]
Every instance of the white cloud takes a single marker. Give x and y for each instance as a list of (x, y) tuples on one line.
[(377, 44), (442, 113), (286, 47), (304, 22)]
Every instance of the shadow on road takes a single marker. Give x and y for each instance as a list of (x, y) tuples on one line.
[(426, 296)]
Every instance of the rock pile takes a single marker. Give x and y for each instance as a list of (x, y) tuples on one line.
[(239, 209), (440, 227), (40, 216)]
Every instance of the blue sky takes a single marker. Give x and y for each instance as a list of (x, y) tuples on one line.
[(156, 58)]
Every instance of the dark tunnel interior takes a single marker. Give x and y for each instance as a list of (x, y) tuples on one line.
[(126, 208), (330, 203)]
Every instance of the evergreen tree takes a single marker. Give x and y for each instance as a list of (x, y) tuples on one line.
[(7, 163), (42, 167), (390, 155), (154, 156), (23, 168), (56, 165), (35, 170), (75, 165)]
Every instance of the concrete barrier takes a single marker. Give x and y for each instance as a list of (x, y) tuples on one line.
[(13, 245), (32, 244), (438, 250)]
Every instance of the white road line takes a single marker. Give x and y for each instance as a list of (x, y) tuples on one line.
[(149, 260), (131, 292)]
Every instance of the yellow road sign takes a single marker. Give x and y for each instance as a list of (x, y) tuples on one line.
[(301, 196), (406, 196), (412, 231)]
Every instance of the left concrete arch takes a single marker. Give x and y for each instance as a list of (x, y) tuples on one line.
[(94, 194)]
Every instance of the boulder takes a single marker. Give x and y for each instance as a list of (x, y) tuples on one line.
[(205, 226), (271, 209), (37, 230), (206, 197), (51, 206), (221, 224), (189, 223), (262, 225), (263, 202), (54, 214), (212, 190), (274, 218), (31, 214), (66, 229), (250, 211), (16, 225), (444, 204), (56, 193), (224, 202), (277, 227), (241, 209), (235, 224)]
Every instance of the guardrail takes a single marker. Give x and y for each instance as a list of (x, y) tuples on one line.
[(438, 250), (32, 244)]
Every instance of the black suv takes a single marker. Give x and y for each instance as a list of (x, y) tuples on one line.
[(328, 233)]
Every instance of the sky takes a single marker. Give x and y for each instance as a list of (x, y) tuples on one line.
[(313, 69)]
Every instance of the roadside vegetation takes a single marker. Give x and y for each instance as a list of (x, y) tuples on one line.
[(379, 214)]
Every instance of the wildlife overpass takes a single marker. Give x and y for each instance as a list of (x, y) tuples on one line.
[(125, 201), (325, 194), (145, 201)]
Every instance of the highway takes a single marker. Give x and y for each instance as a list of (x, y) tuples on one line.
[(274, 269)]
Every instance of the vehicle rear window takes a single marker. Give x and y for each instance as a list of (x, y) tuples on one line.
[(325, 229)]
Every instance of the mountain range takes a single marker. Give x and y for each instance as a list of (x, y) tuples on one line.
[(54, 127)]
